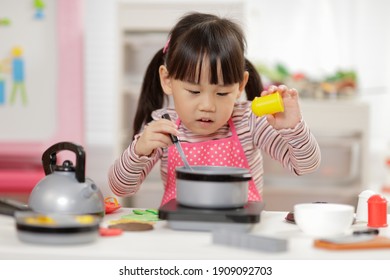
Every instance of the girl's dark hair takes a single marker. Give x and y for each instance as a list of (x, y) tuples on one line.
[(194, 37)]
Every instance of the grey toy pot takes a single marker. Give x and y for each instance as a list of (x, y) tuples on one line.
[(212, 187)]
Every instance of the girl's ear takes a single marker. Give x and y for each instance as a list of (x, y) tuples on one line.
[(243, 83), (165, 80)]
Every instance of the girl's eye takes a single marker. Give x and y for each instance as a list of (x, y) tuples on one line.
[(193, 91), (222, 93)]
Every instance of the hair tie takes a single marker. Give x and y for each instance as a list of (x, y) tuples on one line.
[(166, 45)]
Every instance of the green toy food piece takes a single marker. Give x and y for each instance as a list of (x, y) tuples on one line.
[(153, 211), (147, 215), (138, 212), (143, 218)]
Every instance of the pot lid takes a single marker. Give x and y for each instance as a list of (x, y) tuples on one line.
[(213, 174)]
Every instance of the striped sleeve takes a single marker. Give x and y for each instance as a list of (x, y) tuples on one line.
[(305, 155), (296, 149), (129, 171)]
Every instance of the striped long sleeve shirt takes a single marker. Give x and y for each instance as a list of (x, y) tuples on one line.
[(295, 149)]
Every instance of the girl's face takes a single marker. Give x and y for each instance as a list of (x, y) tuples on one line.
[(202, 107)]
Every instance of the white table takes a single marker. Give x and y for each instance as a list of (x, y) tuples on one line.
[(165, 243)]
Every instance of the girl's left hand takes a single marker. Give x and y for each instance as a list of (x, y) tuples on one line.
[(292, 112)]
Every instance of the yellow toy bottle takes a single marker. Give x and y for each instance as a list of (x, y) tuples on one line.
[(268, 104)]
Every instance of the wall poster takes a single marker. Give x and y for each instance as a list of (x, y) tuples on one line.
[(40, 74), (28, 71)]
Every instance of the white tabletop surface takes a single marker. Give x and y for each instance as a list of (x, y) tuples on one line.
[(165, 243)]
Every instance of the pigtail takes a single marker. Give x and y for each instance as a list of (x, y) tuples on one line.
[(254, 87), (152, 94)]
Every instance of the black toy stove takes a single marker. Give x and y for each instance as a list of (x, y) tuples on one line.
[(188, 218)]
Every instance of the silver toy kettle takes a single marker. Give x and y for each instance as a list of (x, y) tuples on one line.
[(64, 189)]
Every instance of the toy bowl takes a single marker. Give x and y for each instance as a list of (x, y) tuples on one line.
[(324, 219)]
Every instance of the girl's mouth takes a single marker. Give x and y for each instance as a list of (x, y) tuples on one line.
[(205, 120), (205, 123)]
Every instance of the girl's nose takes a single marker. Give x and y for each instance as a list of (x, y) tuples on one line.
[(207, 103)]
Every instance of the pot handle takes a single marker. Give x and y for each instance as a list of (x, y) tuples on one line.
[(49, 158)]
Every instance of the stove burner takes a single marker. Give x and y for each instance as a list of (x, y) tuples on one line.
[(250, 213)]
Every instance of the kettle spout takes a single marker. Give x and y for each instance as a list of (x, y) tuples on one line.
[(89, 190)]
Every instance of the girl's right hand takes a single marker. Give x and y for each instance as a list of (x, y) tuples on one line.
[(156, 134), (292, 113)]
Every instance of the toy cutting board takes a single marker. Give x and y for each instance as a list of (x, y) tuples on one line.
[(377, 242)]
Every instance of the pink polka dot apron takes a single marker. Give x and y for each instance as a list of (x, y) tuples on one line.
[(221, 152)]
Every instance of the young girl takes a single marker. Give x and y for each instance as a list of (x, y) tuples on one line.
[(203, 69)]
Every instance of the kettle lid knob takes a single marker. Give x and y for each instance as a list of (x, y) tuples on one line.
[(67, 165)]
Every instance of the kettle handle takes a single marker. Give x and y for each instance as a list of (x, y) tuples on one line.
[(49, 158)]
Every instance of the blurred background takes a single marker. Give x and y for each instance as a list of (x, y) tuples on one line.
[(84, 61)]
